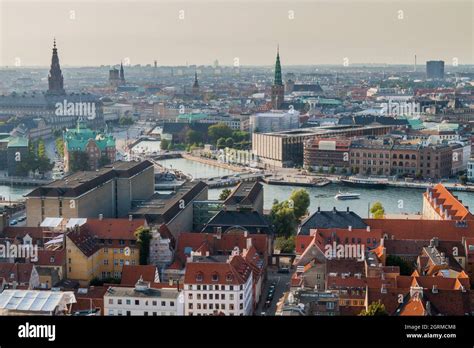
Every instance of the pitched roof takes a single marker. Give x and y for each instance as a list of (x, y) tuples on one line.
[(450, 203), (423, 229), (331, 219), (252, 221), (131, 274), (19, 272)]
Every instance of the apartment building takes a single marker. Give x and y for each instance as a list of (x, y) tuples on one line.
[(218, 285), (143, 300)]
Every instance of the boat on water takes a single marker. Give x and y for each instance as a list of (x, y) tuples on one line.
[(365, 182), (347, 195)]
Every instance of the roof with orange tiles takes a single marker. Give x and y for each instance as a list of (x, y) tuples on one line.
[(218, 243), (423, 229), (131, 274), (451, 203), (114, 228), (212, 271)]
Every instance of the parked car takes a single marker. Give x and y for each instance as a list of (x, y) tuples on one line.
[(13, 222), (22, 218)]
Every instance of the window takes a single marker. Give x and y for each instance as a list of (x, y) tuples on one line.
[(215, 277), (119, 301), (111, 301), (199, 277), (128, 313), (153, 303), (190, 306), (229, 277), (171, 303), (106, 261), (163, 303), (231, 297), (137, 302), (128, 302)]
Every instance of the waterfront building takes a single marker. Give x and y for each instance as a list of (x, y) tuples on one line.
[(99, 147), (246, 196), (324, 153), (285, 149), (12, 151), (109, 191), (143, 300), (470, 169)]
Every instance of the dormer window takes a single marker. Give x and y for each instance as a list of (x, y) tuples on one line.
[(215, 277), (51, 259), (229, 277), (199, 277)]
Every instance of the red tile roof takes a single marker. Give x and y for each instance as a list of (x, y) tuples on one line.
[(422, 229), (131, 274), (456, 210), (19, 272)]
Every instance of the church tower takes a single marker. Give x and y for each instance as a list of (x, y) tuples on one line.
[(278, 89), (55, 77), (122, 75), (196, 84)]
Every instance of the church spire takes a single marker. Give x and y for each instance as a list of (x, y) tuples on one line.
[(278, 80), (55, 77), (122, 74)]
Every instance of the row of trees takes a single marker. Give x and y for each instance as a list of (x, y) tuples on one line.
[(34, 160)]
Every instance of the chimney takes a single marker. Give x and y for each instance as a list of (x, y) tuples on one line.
[(368, 228), (383, 289), (348, 211), (249, 243), (434, 290), (319, 209), (130, 218), (334, 210), (101, 217), (170, 282), (349, 228)]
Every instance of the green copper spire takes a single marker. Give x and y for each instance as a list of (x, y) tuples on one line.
[(278, 80)]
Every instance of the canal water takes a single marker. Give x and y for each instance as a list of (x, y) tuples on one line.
[(394, 200)]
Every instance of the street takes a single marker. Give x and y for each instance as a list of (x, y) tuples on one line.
[(282, 284)]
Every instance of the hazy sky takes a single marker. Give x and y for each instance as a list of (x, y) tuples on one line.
[(308, 32)]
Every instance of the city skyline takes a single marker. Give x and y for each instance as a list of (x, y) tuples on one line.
[(185, 33)]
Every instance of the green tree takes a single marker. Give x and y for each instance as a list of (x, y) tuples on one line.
[(221, 143), (143, 236), (301, 202), (320, 170), (285, 245), (377, 210), (375, 309), (283, 218), (41, 149), (193, 137), (59, 143), (224, 194), (164, 143), (229, 142), (405, 267), (220, 130), (332, 169)]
